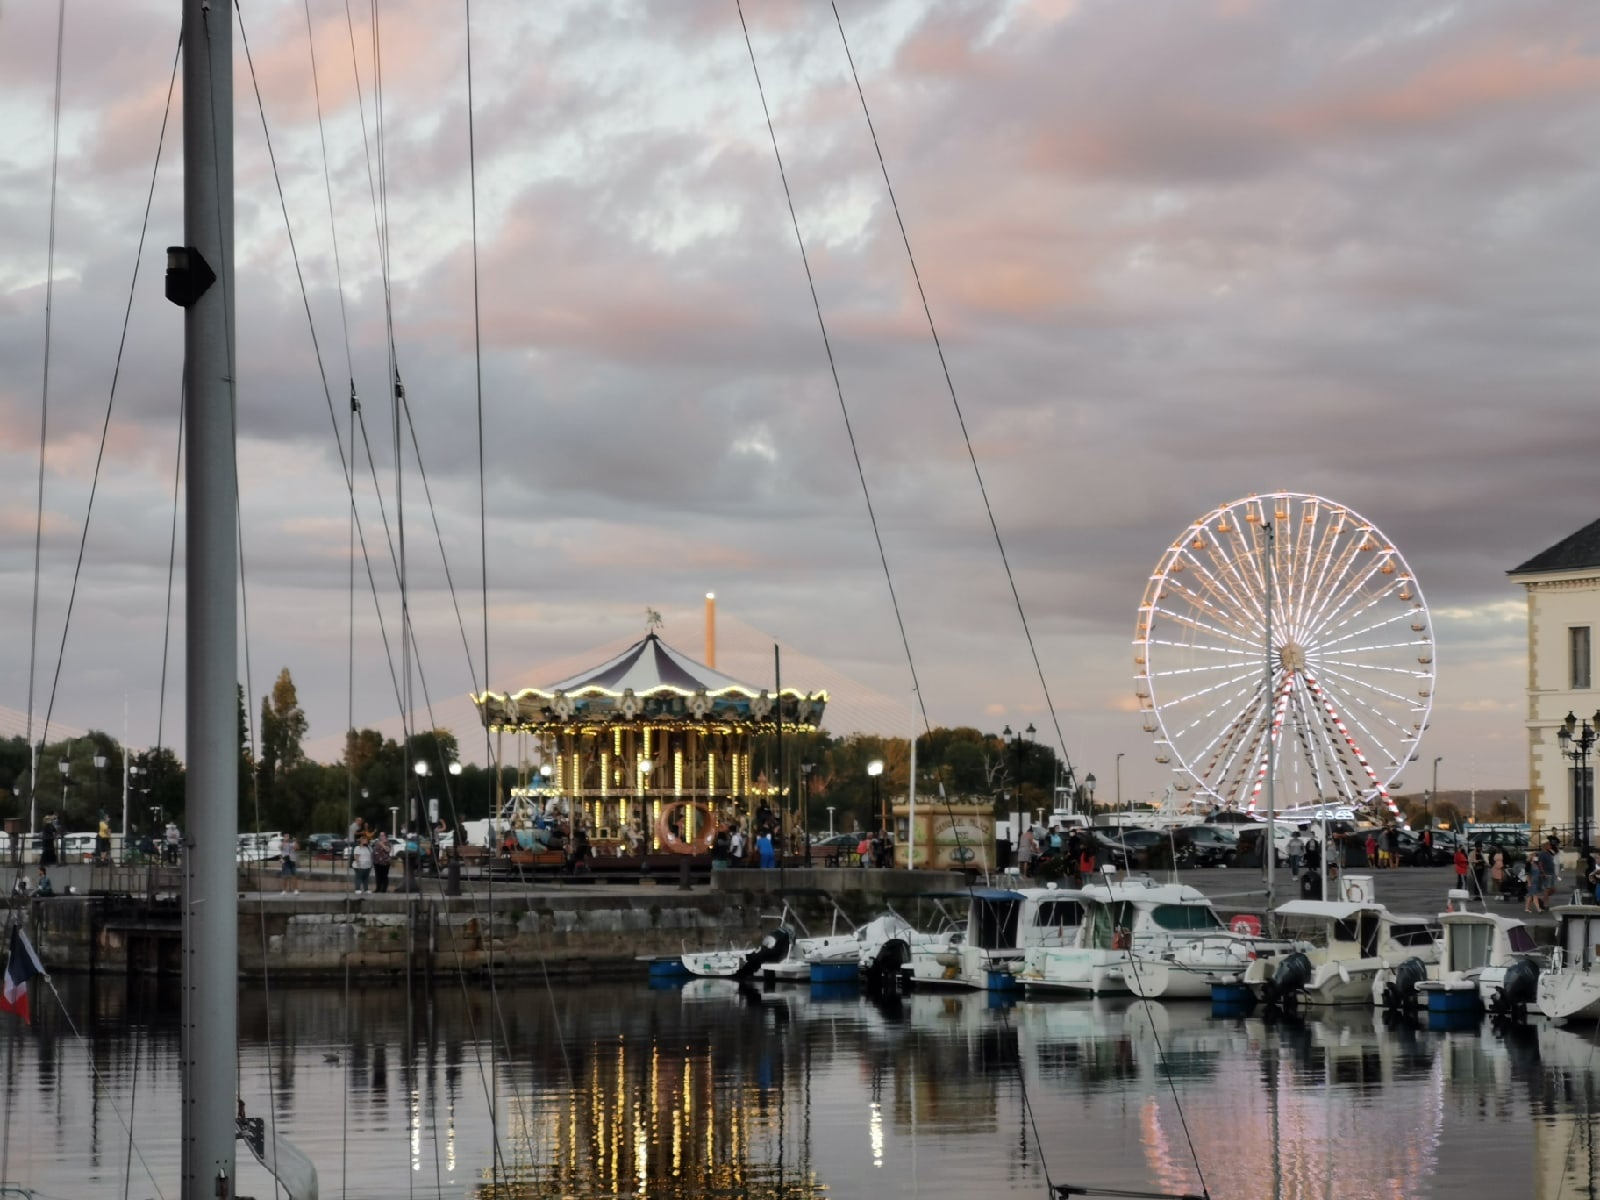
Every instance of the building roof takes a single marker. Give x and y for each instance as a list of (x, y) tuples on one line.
[(649, 666), (1576, 552)]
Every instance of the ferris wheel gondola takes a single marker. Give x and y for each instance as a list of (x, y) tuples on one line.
[(1351, 658)]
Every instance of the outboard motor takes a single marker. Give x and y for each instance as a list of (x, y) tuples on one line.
[(1290, 978), (1511, 998), (884, 975), (1401, 991), (773, 948)]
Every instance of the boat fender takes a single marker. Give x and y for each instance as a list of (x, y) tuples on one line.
[(1401, 991), (1344, 973), (1292, 975)]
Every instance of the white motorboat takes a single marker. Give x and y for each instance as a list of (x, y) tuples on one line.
[(1126, 926), (1486, 962), (1570, 989), (1002, 925), (1357, 950)]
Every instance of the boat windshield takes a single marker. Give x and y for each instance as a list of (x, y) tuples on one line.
[(1105, 920), (1520, 940), (1185, 916), (1413, 933), (1058, 914), (1301, 928), (1469, 946)]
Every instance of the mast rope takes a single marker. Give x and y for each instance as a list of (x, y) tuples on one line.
[(949, 381), (833, 367)]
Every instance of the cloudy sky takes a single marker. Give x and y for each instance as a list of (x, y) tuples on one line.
[(1177, 253)]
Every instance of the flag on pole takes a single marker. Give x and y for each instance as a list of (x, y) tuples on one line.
[(22, 966)]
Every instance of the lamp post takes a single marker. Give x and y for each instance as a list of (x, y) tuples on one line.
[(1119, 780), (874, 770), (805, 806), (830, 820), (1088, 789), (65, 768), (1019, 743), (1576, 741), (1427, 800)]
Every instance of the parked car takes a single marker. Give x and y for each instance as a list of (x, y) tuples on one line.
[(1206, 846), (326, 845), (1126, 847), (1414, 854)]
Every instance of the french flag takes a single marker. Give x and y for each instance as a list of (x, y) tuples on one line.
[(22, 967)]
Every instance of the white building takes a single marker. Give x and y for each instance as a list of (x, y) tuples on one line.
[(1563, 588)]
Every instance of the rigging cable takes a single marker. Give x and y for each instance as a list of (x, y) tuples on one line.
[(44, 412), (833, 367), (927, 311)]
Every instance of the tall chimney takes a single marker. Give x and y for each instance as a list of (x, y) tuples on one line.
[(711, 629)]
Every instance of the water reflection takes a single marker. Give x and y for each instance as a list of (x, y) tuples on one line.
[(710, 1089)]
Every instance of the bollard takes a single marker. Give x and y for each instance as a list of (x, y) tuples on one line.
[(683, 875), (452, 886)]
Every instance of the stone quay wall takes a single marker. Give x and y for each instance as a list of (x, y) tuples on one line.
[(600, 930)]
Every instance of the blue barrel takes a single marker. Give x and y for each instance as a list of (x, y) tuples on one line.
[(1455, 1000), (1003, 981), (668, 968)]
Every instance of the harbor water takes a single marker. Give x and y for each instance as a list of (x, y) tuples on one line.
[(703, 1089)]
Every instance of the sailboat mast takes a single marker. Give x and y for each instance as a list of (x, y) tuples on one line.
[(211, 932)]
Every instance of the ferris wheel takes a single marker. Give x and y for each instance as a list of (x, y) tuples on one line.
[(1341, 698)]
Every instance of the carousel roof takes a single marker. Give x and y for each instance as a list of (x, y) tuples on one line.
[(652, 682), (647, 667)]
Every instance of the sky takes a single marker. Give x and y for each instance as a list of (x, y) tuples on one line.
[(1176, 253)]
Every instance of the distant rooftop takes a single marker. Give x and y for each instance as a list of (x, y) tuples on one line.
[(1576, 552)]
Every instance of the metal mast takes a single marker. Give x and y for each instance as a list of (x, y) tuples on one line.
[(211, 933), (1269, 519)]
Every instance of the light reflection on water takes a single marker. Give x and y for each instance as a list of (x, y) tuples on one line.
[(625, 1090)]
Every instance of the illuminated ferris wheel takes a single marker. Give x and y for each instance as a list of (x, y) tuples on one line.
[(1342, 696)]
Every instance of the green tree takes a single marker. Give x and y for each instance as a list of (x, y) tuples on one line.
[(283, 729)]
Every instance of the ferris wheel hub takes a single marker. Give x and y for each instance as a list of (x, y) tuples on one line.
[(1292, 657)]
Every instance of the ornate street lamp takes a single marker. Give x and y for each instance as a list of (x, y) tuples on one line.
[(874, 770), (1575, 743)]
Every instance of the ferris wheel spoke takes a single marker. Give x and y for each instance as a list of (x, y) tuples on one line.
[(1358, 686), (1190, 622), (1341, 719), (1381, 623), (1227, 576), (1350, 711), (1220, 593), (1213, 600), (1334, 753), (1239, 704), (1353, 590), (1343, 567), (1328, 557), (1211, 691)]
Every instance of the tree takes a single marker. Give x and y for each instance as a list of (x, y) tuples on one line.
[(283, 729)]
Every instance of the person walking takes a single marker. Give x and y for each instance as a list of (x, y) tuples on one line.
[(1027, 847), (764, 848), (1462, 867), (1535, 899), (736, 846), (361, 860), (1497, 870), (382, 856), (1480, 868), (1297, 850), (289, 866), (1550, 869), (1372, 850), (102, 842), (48, 835)]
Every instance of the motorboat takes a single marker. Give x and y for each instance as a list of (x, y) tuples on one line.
[(1569, 990), (1002, 926), (1127, 925), (1357, 951), (1487, 961)]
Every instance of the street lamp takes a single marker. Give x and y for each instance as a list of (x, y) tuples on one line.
[(1576, 741), (1119, 781), (65, 768), (805, 806), (875, 769), (830, 820), (1427, 800), (1019, 742), (1088, 789)]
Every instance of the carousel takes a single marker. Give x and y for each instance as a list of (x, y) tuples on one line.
[(650, 751)]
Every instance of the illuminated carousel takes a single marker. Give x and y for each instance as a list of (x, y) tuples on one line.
[(651, 750)]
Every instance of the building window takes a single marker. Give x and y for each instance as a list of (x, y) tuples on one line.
[(1578, 657)]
